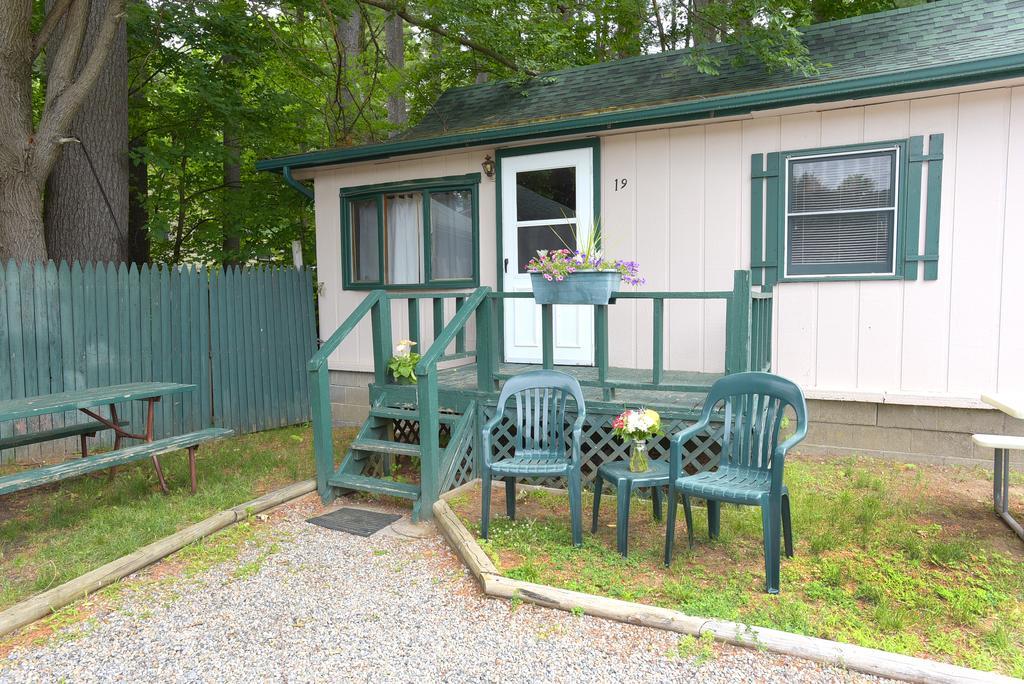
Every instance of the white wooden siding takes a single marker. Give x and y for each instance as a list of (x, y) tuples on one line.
[(685, 216), (952, 338)]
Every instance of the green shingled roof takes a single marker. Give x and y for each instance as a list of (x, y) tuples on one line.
[(940, 43)]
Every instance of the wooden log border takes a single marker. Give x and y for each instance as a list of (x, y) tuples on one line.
[(859, 658), (41, 605)]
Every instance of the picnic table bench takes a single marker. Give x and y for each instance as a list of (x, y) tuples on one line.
[(88, 402), (1000, 445)]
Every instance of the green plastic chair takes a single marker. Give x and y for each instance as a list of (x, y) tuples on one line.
[(540, 398), (751, 465)]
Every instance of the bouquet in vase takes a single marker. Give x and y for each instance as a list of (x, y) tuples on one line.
[(637, 426)]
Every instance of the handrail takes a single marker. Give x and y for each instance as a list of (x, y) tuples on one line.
[(711, 294), (427, 387), (327, 348), (441, 341), (428, 295), (320, 388)]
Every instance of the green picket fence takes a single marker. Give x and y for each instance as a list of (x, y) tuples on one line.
[(243, 336)]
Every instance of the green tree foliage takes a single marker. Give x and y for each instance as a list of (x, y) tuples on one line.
[(295, 75)]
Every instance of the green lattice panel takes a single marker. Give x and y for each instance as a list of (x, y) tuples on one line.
[(599, 445)]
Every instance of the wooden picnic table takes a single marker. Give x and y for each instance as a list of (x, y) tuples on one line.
[(87, 401), (1012, 406)]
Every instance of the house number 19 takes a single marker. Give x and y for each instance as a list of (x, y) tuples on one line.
[(621, 183)]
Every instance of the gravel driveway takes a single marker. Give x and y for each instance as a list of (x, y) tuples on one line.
[(318, 605)]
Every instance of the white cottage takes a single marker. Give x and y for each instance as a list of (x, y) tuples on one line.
[(879, 203)]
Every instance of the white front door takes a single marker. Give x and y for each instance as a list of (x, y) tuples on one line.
[(547, 202)]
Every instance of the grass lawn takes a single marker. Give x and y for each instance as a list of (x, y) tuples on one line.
[(905, 558), (52, 534)]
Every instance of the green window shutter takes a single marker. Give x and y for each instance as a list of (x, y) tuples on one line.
[(912, 218), (764, 219)]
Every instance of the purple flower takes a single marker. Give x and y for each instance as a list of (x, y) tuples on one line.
[(547, 276)]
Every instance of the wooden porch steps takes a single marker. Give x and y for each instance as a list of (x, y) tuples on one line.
[(385, 446), (396, 413), (375, 485), (378, 438)]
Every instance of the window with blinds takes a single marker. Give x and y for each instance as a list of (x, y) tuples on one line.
[(841, 213)]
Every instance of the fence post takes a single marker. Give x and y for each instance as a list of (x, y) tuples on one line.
[(547, 335), (323, 442), (658, 352), (426, 390), (484, 378), (737, 325), (380, 319), (601, 348)]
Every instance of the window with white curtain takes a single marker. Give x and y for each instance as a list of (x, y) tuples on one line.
[(417, 234), (841, 213)]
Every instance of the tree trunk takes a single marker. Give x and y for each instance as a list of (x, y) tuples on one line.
[(395, 38), (230, 214), (701, 32), (233, 183), (349, 43), (21, 210), (138, 211), (86, 207), (21, 218)]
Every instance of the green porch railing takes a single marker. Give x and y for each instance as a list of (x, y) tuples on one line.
[(748, 334), (748, 347), (761, 331), (378, 306)]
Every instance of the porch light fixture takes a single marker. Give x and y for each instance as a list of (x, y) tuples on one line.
[(488, 166)]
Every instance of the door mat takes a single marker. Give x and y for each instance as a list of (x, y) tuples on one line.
[(355, 521)]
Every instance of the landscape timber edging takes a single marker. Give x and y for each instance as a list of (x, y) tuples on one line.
[(41, 605), (852, 657)]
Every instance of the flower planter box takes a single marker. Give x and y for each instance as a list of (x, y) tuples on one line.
[(581, 287)]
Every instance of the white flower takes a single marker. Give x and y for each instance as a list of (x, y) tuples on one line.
[(404, 347)]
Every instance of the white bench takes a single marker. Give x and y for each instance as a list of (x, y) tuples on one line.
[(1001, 445)]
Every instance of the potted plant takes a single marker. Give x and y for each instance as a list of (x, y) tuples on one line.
[(579, 276), (403, 364), (638, 426)]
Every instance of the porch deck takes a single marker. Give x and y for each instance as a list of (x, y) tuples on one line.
[(439, 419), (623, 386)]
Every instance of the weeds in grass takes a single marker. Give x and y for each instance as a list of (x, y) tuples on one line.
[(697, 650), (951, 552), (881, 561)]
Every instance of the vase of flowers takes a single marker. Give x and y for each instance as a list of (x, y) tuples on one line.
[(637, 426), (580, 275), (403, 364)]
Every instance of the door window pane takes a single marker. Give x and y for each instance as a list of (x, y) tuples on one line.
[(535, 238), (546, 194), (403, 221), (451, 235), (365, 264)]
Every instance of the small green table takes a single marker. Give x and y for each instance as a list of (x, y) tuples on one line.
[(617, 473)]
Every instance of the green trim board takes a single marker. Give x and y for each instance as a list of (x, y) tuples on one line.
[(768, 202), (594, 144), (427, 186)]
